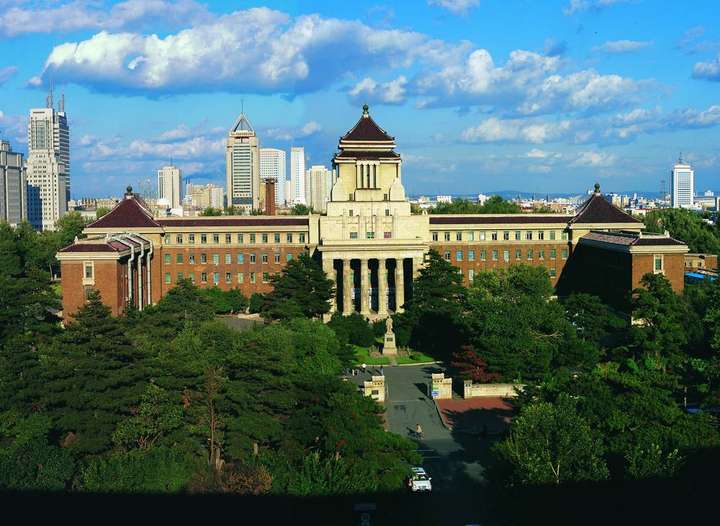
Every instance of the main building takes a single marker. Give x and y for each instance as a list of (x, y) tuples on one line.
[(369, 243)]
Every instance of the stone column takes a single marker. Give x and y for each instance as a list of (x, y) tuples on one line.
[(364, 287), (329, 270), (399, 285), (382, 289), (347, 287)]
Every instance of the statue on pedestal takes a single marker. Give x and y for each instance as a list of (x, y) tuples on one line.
[(389, 346)]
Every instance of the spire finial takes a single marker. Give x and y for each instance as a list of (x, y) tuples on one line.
[(128, 190), (680, 160), (366, 110), (597, 188)]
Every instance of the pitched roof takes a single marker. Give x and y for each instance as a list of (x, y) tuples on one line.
[(213, 221), (631, 239), (243, 124), (93, 247), (128, 213), (597, 209), (514, 219), (367, 129), (352, 154)]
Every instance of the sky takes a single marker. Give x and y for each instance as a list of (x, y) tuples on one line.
[(481, 95)]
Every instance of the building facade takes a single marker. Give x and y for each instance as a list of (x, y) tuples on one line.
[(368, 242), (170, 184), (242, 162), (13, 190), (48, 165), (318, 185), (297, 175), (682, 185), (273, 164)]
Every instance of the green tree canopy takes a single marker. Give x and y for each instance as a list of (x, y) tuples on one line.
[(686, 226), (494, 205)]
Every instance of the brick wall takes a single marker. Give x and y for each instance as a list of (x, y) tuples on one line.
[(110, 280), (673, 267)]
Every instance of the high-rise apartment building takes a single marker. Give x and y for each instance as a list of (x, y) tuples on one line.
[(243, 166), (48, 165), (682, 185), (12, 185), (203, 196), (272, 166), (318, 184), (297, 174), (170, 185)]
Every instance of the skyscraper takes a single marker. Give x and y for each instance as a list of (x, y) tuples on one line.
[(12, 185), (170, 185), (318, 184), (243, 166), (48, 165), (272, 166), (682, 185), (297, 174)]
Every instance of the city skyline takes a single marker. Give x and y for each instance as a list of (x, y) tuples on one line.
[(588, 94)]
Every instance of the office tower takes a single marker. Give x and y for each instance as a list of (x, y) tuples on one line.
[(682, 185), (170, 185), (243, 166), (12, 185), (48, 165), (272, 166), (203, 196), (297, 174), (318, 184)]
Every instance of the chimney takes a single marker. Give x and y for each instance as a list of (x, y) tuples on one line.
[(270, 197)]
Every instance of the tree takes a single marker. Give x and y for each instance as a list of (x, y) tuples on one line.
[(471, 366), (300, 210), (225, 301), (494, 205), (101, 211), (593, 320), (686, 226), (256, 302), (353, 329), (302, 289), (210, 211), (552, 444)]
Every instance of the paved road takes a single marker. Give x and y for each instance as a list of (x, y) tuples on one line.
[(454, 461)]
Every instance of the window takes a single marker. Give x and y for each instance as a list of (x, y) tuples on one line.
[(446, 255), (541, 254), (564, 253), (168, 278), (471, 236), (387, 235), (528, 235), (265, 277), (216, 278), (288, 238), (350, 212), (168, 259), (228, 238), (483, 255), (302, 237), (552, 235), (252, 277), (288, 257), (506, 235), (471, 255), (565, 236), (387, 211), (482, 236), (264, 258), (203, 238), (252, 258), (276, 238), (228, 277), (370, 235), (541, 234), (89, 274), (240, 259), (179, 239), (493, 236), (216, 259), (277, 258), (264, 238), (179, 259), (658, 265), (553, 253), (191, 239), (240, 238), (166, 239), (203, 258), (530, 254), (518, 253), (179, 276), (506, 256), (459, 255), (517, 235), (434, 236), (191, 259), (191, 277), (216, 238), (458, 236), (553, 272), (252, 238), (447, 236), (240, 277), (228, 259), (471, 275), (494, 254), (353, 235)]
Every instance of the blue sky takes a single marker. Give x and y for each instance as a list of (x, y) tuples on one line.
[(481, 95)]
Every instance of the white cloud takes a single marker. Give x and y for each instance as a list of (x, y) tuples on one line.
[(79, 15), (289, 134), (622, 46), (457, 7), (707, 70), (594, 159), (516, 130), (7, 73), (310, 128), (368, 90), (576, 6), (691, 118)]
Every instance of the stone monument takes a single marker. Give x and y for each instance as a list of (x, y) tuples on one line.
[(389, 346)]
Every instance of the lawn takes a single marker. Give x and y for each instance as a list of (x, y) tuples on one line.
[(362, 355)]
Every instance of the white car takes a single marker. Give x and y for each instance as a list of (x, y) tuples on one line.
[(419, 481)]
